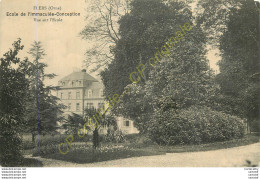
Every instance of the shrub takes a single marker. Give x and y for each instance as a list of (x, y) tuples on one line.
[(10, 143), (45, 150), (255, 126), (50, 144), (194, 126), (115, 136), (132, 138)]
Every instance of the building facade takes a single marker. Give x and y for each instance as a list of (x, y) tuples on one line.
[(79, 91)]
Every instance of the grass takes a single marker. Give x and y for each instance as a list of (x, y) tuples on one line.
[(248, 139), (85, 154), (90, 156), (30, 162)]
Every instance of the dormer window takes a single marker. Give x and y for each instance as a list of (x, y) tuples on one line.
[(72, 83), (90, 93)]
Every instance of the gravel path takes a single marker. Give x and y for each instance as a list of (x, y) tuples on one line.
[(232, 157)]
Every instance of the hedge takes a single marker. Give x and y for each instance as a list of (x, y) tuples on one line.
[(194, 125)]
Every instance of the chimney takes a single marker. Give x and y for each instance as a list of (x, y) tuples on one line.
[(84, 70)]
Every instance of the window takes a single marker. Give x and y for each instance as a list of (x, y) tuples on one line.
[(127, 123), (90, 93), (69, 106), (77, 95), (77, 107), (90, 105), (79, 83), (72, 83), (101, 93), (61, 95), (69, 95)]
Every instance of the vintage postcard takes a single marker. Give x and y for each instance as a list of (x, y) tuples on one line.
[(129, 83)]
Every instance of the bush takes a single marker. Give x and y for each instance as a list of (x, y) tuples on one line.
[(50, 144), (45, 140), (115, 136), (45, 150), (10, 143), (255, 126), (194, 126), (54, 148)]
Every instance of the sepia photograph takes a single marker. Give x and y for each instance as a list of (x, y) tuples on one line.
[(129, 83)]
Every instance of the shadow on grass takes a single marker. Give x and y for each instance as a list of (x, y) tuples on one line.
[(31, 162), (247, 140), (87, 155), (25, 162)]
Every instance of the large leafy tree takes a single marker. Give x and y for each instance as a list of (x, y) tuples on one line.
[(42, 108), (240, 66), (180, 80), (13, 85), (142, 32), (213, 17)]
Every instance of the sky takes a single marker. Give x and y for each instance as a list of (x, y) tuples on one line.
[(63, 46)]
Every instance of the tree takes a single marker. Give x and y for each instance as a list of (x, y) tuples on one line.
[(106, 121), (42, 108), (72, 123), (213, 17), (180, 79), (239, 66), (101, 30), (13, 85)]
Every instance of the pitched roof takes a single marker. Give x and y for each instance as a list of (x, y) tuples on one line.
[(79, 76), (96, 85)]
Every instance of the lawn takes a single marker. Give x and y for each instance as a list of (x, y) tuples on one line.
[(83, 153)]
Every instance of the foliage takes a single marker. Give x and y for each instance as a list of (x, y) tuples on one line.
[(142, 32), (213, 17), (104, 153), (105, 121), (178, 81), (255, 126), (72, 123), (45, 140), (12, 98), (115, 136), (137, 106), (239, 67), (112, 152), (49, 144), (195, 125), (101, 30), (42, 108)]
